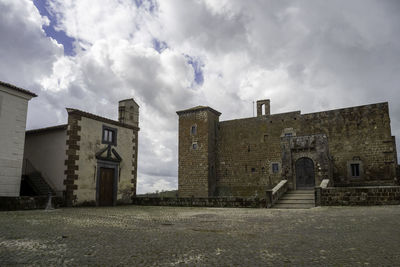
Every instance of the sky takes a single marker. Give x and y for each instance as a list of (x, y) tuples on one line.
[(170, 55)]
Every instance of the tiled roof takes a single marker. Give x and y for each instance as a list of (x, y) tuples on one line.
[(21, 90)]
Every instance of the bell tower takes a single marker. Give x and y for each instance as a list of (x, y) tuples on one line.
[(128, 112)]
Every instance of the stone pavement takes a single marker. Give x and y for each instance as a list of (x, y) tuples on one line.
[(172, 236)]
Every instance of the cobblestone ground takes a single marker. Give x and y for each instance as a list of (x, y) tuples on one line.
[(171, 236)]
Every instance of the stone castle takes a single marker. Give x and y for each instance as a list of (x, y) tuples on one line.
[(245, 157)]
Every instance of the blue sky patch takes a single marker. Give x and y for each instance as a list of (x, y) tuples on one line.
[(151, 7), (159, 46), (59, 36), (197, 66)]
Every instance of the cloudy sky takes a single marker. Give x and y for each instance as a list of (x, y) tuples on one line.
[(174, 54)]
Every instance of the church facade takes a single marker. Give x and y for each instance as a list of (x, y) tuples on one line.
[(245, 157), (91, 160)]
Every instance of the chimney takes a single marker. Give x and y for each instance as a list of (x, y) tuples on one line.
[(128, 112), (263, 104)]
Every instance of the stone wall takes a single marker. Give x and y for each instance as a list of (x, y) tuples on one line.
[(315, 147), (28, 203), (246, 150), (197, 152), (358, 196), (357, 134), (220, 202)]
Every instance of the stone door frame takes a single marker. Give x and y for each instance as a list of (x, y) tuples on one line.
[(109, 165)]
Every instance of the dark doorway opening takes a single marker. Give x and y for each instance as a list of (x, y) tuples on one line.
[(106, 186), (305, 177)]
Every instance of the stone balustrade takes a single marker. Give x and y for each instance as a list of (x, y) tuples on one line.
[(275, 193)]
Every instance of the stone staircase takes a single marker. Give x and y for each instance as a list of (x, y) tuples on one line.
[(38, 184), (33, 181), (296, 199)]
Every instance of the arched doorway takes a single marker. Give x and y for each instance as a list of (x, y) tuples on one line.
[(305, 177)]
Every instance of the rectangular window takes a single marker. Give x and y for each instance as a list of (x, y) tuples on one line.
[(194, 146), (109, 135), (193, 130), (355, 170), (275, 167), (288, 134)]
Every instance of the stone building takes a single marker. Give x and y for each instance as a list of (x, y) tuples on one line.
[(245, 157), (89, 160), (13, 110)]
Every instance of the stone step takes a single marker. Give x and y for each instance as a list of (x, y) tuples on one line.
[(300, 192), (293, 206), (39, 184), (296, 201), (297, 196)]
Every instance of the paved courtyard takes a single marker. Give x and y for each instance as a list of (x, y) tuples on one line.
[(171, 236)]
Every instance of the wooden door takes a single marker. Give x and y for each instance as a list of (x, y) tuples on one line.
[(106, 187), (305, 177)]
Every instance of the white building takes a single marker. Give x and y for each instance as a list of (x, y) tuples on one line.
[(13, 110)]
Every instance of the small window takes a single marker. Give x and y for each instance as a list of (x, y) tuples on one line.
[(355, 170), (275, 167), (194, 146), (193, 130), (288, 134), (253, 169), (109, 136)]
